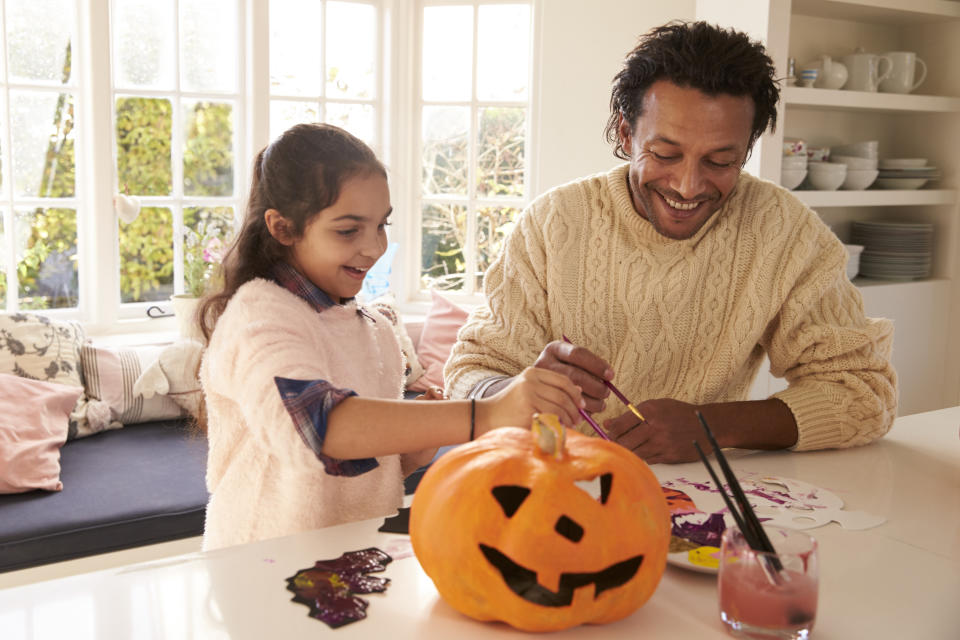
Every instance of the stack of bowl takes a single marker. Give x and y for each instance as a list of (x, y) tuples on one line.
[(793, 169), (861, 172), (826, 176)]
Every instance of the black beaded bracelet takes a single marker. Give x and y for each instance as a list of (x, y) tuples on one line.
[(473, 416)]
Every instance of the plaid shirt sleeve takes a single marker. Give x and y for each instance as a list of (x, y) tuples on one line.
[(309, 403)]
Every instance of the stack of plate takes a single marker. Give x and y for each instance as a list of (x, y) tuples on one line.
[(894, 250), (905, 173)]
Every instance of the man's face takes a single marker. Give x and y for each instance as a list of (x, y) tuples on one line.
[(686, 150)]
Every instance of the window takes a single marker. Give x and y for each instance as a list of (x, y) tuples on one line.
[(104, 103), (474, 121), (38, 186), (323, 66)]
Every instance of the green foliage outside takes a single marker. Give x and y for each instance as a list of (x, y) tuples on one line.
[(47, 264)]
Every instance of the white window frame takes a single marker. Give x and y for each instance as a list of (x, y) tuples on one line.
[(416, 298)]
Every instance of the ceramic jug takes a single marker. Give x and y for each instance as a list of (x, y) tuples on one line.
[(833, 73), (866, 70)]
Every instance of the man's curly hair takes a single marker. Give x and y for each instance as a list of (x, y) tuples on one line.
[(699, 56)]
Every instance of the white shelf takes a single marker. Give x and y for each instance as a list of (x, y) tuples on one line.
[(869, 283), (805, 97), (893, 12), (877, 197)]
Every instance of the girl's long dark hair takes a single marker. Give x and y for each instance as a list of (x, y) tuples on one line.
[(299, 174)]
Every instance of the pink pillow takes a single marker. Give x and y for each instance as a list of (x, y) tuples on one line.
[(436, 340), (34, 418)]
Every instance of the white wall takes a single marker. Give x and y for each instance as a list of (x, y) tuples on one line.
[(582, 45)]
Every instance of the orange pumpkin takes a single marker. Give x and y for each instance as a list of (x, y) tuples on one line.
[(543, 529)]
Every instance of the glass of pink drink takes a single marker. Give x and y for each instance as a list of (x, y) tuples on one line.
[(759, 601)]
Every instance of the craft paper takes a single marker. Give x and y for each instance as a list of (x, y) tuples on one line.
[(329, 586)]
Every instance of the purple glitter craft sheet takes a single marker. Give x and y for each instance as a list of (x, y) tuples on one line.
[(329, 587)]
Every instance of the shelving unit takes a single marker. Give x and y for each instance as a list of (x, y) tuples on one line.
[(925, 123)]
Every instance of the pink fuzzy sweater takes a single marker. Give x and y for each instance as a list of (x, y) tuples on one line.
[(263, 479)]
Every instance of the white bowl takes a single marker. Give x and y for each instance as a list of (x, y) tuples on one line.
[(791, 178), (827, 168), (855, 162), (867, 149), (827, 181), (902, 163), (859, 179), (793, 162), (853, 259)]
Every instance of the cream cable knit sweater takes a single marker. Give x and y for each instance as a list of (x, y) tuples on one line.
[(263, 479), (688, 319)]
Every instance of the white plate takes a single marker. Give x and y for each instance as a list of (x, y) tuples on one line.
[(899, 183), (902, 163), (682, 559)]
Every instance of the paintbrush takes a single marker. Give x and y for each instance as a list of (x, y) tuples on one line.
[(617, 392)]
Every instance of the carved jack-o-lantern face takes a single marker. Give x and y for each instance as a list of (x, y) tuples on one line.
[(541, 537)]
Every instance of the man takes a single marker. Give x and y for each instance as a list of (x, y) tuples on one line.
[(675, 273)]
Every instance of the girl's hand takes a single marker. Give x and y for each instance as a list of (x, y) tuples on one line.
[(433, 392), (535, 390)]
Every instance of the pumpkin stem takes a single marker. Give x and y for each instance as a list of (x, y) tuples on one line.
[(549, 434)]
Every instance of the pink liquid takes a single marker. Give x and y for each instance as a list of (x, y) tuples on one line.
[(746, 596)]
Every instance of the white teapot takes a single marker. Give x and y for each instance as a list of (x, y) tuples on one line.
[(832, 75)]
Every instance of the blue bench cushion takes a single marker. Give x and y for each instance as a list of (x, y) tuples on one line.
[(134, 486)]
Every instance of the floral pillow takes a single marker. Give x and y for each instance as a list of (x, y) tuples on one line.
[(38, 348)]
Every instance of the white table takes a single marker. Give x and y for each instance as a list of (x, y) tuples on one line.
[(898, 580)]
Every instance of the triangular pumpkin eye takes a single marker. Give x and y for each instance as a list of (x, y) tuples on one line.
[(597, 487), (510, 497)]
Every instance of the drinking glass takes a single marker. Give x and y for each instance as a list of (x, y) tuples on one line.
[(768, 595)]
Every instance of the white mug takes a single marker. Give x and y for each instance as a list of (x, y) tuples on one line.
[(901, 78), (865, 70)]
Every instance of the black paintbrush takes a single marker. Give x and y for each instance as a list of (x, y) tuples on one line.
[(746, 519)]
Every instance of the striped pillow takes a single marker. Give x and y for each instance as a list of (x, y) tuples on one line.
[(108, 377)]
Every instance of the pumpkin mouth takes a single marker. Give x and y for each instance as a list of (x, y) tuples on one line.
[(523, 581)]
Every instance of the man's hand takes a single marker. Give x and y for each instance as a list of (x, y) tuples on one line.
[(671, 427), (666, 435), (582, 367)]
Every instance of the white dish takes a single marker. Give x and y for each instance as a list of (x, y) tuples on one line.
[(902, 163), (791, 178), (682, 559), (900, 183), (827, 181), (855, 162), (858, 180), (867, 149)]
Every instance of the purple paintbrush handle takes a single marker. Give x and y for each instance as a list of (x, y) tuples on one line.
[(596, 427)]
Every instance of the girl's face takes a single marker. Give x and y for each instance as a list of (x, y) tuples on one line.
[(343, 241)]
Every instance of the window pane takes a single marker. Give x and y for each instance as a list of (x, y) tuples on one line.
[(3, 262), (355, 118), (351, 50), (494, 224), (443, 233), (447, 53), (146, 256), (39, 33), (209, 50), (208, 149), (47, 258), (503, 50), (286, 113), (42, 140), (144, 128), (445, 133), (143, 51), (500, 154), (295, 47), (208, 232)]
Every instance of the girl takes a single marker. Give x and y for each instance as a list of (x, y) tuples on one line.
[(302, 386)]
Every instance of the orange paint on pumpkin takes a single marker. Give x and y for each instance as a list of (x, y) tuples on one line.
[(505, 532)]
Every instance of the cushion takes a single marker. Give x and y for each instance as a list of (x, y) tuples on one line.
[(38, 348), (34, 416), (109, 376), (436, 340), (121, 488), (174, 375), (385, 305)]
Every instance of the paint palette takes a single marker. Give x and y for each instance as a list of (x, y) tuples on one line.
[(777, 501)]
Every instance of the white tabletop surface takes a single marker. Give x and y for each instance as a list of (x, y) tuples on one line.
[(897, 580)]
